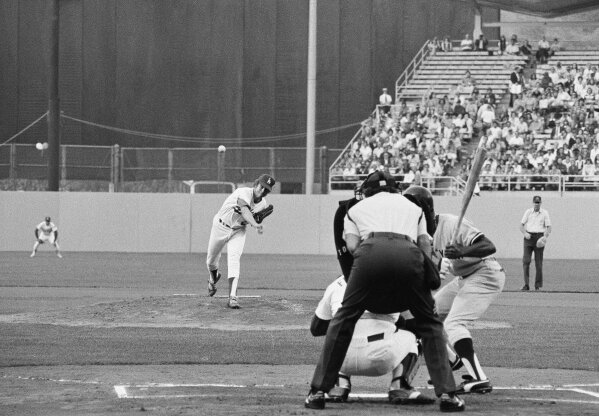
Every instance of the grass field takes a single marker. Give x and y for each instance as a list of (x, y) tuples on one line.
[(116, 333)]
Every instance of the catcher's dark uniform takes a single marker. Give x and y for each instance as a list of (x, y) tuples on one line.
[(390, 273)]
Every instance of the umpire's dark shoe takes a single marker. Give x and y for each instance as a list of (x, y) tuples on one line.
[(451, 403), (525, 287), (315, 400)]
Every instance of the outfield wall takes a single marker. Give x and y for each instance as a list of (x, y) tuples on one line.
[(301, 224)]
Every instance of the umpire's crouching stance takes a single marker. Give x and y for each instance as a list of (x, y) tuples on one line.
[(391, 272)]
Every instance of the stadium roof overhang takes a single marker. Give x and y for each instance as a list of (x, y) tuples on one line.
[(543, 8)]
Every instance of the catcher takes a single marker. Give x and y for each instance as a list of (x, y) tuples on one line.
[(377, 348), (46, 231), (245, 206)]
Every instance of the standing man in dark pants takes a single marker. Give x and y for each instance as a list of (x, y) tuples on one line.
[(392, 272), (536, 227)]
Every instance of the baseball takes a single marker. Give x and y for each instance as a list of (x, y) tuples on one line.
[(222, 148)]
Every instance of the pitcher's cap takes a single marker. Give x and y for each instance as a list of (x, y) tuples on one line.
[(266, 181)]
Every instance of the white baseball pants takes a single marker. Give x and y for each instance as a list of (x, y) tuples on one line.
[(221, 236)]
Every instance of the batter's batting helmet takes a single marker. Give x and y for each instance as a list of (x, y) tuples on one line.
[(422, 197), (379, 181)]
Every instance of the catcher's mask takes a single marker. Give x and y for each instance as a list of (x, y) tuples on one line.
[(422, 197), (379, 181)]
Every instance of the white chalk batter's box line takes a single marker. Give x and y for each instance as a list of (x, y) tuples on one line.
[(216, 296), (123, 391)]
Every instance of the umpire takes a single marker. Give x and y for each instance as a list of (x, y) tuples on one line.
[(392, 272), (536, 227)]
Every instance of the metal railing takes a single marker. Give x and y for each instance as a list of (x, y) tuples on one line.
[(534, 182), (438, 185), (410, 70)]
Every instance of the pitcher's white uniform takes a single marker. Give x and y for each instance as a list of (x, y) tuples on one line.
[(378, 357), (229, 228), (477, 282)]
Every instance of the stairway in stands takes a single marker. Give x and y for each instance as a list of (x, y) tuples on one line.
[(440, 71)]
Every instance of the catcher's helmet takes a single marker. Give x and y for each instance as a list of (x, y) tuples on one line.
[(379, 181), (422, 197)]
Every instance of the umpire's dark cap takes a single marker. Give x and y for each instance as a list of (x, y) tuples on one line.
[(47, 219), (379, 181), (536, 198), (266, 181)]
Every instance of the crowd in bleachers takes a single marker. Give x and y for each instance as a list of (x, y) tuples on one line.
[(550, 130), (416, 141), (547, 130)]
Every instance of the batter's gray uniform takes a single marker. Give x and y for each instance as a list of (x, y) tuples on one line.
[(476, 283)]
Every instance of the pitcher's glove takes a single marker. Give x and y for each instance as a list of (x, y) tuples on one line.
[(260, 215)]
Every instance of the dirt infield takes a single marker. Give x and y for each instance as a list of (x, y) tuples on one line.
[(111, 333)]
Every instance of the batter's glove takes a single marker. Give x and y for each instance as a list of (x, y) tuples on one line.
[(260, 215)]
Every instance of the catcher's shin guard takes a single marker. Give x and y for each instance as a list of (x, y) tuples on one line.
[(410, 365)]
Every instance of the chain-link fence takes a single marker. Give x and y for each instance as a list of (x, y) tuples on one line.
[(126, 169)]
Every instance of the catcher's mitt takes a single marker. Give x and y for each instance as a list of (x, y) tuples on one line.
[(260, 215), (541, 242)]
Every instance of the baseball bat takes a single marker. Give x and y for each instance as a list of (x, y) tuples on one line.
[(477, 165)]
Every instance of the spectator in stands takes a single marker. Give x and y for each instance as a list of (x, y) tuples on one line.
[(468, 80), (446, 45), (554, 48), (471, 108), (467, 44), (543, 51), (459, 109), (486, 114), (481, 43), (526, 50), (546, 81), (490, 97), (513, 48), (502, 44), (434, 46), (385, 101), (516, 83)]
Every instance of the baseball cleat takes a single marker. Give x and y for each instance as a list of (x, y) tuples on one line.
[(233, 304), (451, 403), (32, 254), (472, 385), (409, 396), (59, 255), (525, 287), (340, 393), (212, 284), (315, 400)]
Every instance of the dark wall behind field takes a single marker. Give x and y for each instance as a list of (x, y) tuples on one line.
[(210, 68)]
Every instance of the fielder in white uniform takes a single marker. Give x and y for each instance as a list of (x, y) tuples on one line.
[(46, 231), (229, 228), (477, 280), (377, 348)]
